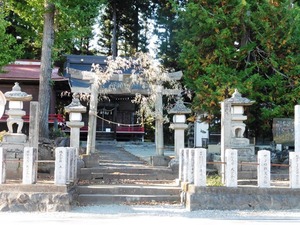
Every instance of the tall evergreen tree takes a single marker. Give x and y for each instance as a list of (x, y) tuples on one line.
[(124, 26), (249, 45), (166, 26)]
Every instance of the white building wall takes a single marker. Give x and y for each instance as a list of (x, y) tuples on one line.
[(201, 134)]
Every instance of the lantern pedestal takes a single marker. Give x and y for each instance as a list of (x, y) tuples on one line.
[(14, 138), (178, 136), (75, 134)]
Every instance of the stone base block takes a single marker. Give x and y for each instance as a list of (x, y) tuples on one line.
[(15, 138), (242, 198), (160, 160), (34, 198), (91, 160)]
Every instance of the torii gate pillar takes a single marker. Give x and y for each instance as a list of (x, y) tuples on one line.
[(159, 133), (92, 125), (159, 159)]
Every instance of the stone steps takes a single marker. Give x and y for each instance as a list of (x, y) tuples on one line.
[(127, 185), (132, 173), (127, 194), (123, 178)]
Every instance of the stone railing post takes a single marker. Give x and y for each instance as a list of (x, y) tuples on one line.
[(180, 167), (294, 173), (263, 169), (200, 167), (191, 164), (72, 164), (231, 167), (61, 165), (2, 166), (65, 165), (185, 165), (29, 165)]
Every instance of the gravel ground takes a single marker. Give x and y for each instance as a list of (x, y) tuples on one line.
[(144, 149), (138, 214)]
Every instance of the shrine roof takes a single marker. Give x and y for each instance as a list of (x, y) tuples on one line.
[(27, 70), (77, 69)]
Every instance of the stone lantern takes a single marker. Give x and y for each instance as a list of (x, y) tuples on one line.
[(179, 125), (75, 110), (16, 97), (232, 135), (237, 117)]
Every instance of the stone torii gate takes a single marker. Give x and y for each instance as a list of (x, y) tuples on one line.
[(95, 90)]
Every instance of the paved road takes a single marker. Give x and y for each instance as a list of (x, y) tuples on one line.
[(112, 214)]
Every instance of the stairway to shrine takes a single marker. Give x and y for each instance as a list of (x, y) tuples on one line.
[(123, 178)]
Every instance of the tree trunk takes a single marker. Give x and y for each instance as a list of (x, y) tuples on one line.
[(46, 69), (114, 33)]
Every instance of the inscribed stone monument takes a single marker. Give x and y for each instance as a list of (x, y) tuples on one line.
[(200, 167), (264, 169), (283, 131)]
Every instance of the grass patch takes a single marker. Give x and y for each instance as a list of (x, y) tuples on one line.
[(2, 133), (214, 180)]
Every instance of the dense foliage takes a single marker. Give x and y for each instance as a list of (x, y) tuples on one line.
[(74, 21), (9, 51), (249, 45)]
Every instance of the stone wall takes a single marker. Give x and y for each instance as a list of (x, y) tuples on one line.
[(48, 198), (241, 198)]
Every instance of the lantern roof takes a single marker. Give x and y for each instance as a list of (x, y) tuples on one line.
[(179, 107), (75, 106), (237, 99), (16, 94)]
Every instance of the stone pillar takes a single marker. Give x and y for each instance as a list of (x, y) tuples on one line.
[(264, 169), (92, 126), (179, 141), (200, 167), (294, 173), (61, 166), (2, 166), (297, 128), (159, 132), (33, 138), (231, 169), (180, 169), (29, 165), (72, 164), (185, 165), (225, 134), (191, 164)]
